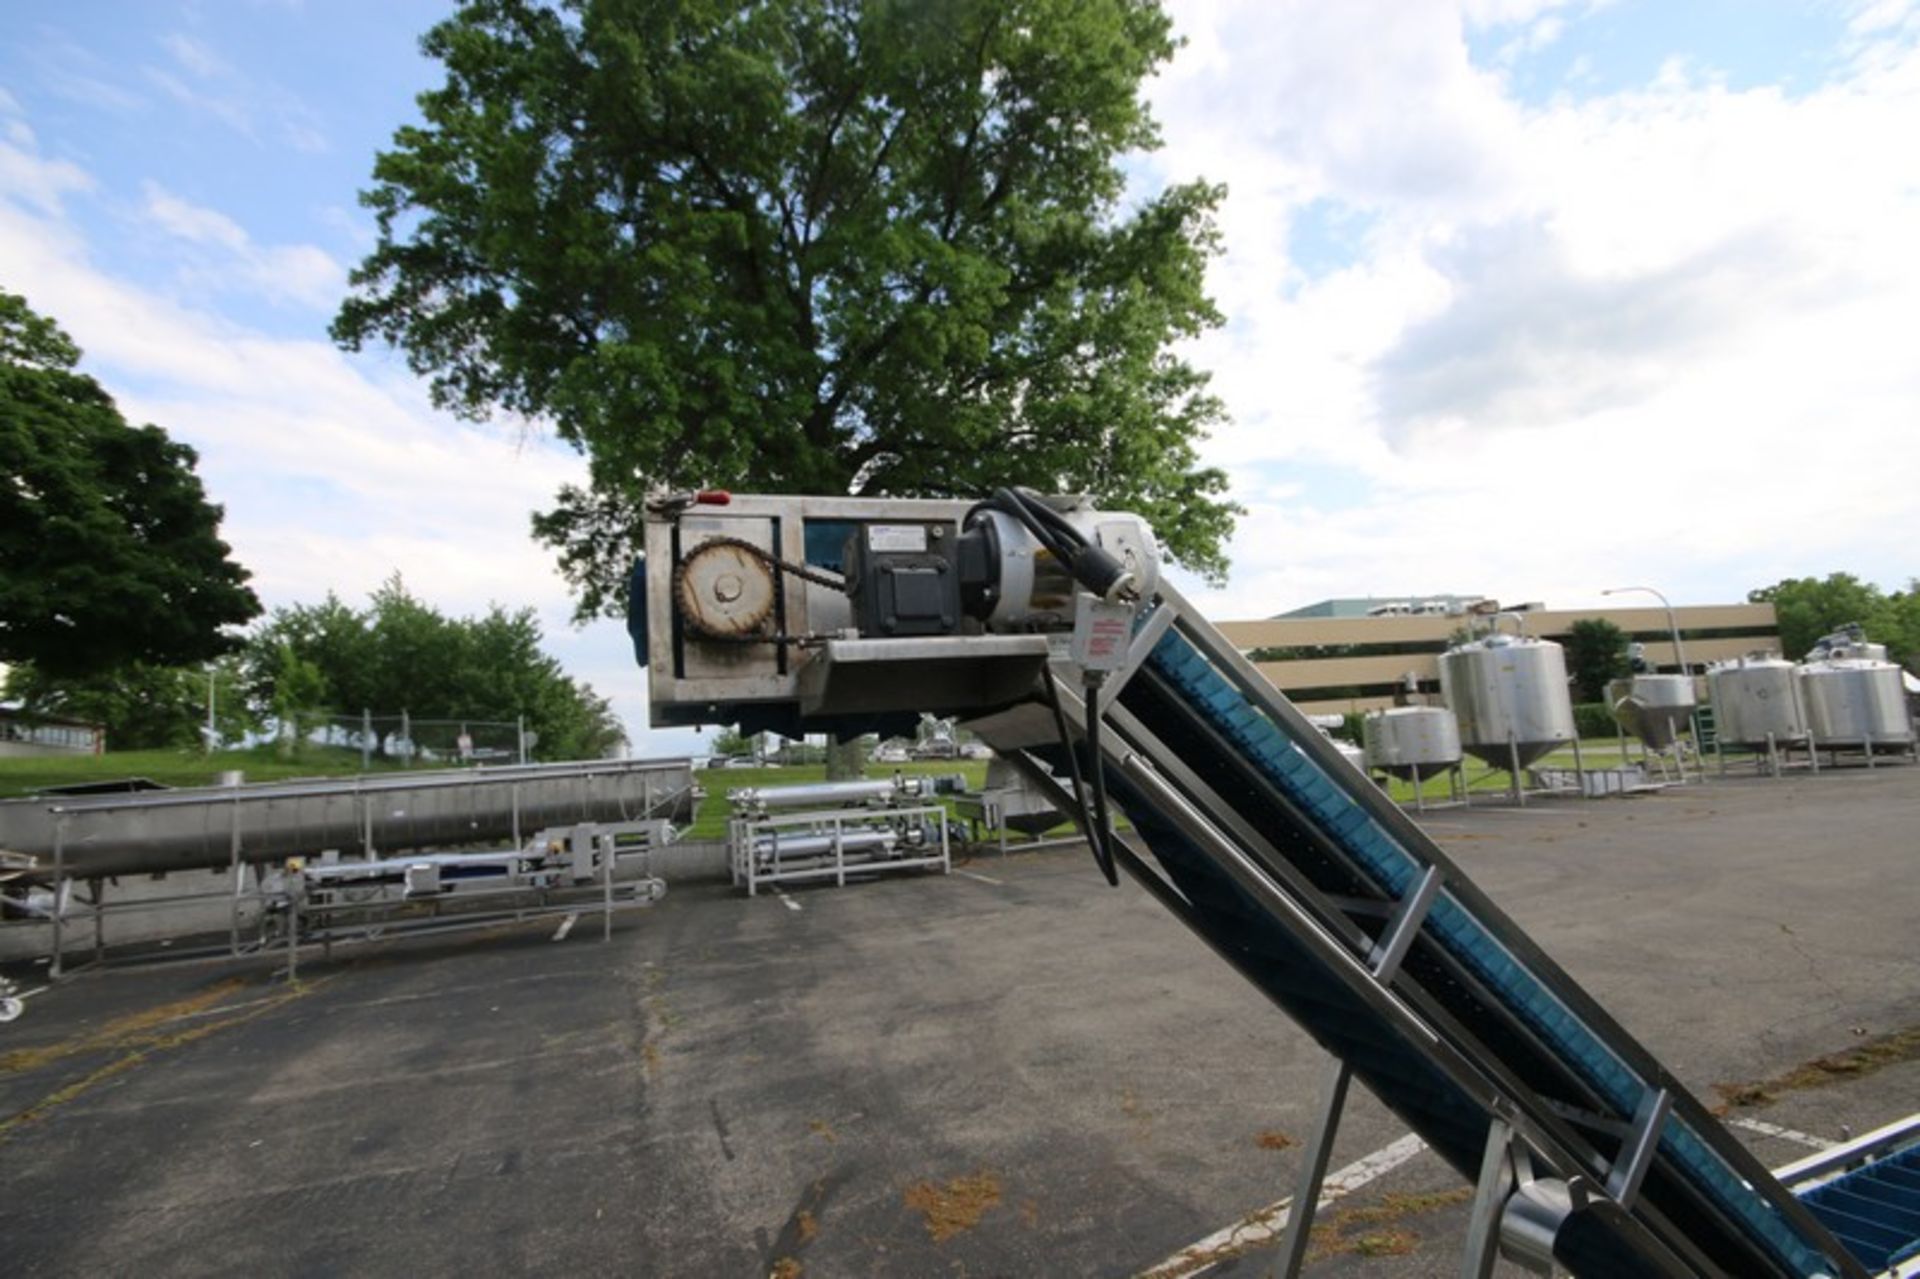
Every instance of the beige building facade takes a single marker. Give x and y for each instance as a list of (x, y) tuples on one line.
[(1329, 664)]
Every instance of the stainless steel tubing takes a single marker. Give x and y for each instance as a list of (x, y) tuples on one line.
[(814, 794), (784, 847)]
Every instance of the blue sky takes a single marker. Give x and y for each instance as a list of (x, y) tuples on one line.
[(1612, 48), (1526, 297), (267, 113)]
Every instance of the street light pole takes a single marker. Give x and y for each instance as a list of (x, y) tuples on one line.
[(1673, 627), (211, 729)]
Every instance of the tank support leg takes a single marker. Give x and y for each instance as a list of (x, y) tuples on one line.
[(97, 889), (606, 883), (298, 899), (59, 891), (233, 869)]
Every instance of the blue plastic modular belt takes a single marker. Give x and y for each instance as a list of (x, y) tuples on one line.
[(1465, 938), (1874, 1210)]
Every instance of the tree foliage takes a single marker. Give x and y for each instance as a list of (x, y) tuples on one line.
[(141, 706), (1809, 607), (109, 549), (400, 653), (804, 245), (1596, 653)]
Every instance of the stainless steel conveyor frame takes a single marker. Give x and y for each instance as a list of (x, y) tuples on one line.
[(1584, 1150), (62, 843)]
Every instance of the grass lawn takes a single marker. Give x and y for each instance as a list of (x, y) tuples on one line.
[(24, 776), (192, 768)]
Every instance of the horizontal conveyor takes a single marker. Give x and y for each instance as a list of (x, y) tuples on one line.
[(209, 827)]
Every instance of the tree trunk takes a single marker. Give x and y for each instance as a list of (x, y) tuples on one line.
[(845, 760)]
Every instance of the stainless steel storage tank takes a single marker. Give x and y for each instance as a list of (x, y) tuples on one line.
[(1351, 753), (1856, 704), (1510, 695), (1404, 739), (1652, 707), (1757, 698)]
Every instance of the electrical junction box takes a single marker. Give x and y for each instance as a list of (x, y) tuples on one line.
[(1102, 633), (903, 579)]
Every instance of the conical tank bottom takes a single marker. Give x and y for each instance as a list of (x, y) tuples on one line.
[(1502, 755)]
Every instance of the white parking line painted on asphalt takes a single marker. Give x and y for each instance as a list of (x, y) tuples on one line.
[(1785, 1134), (566, 926), (985, 879), (1265, 1227), (785, 900)]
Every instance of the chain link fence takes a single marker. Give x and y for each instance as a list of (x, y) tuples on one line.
[(426, 743)]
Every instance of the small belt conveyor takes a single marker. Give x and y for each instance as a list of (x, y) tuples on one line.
[(1247, 825), (1867, 1192)]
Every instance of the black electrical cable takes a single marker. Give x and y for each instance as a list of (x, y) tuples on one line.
[(1103, 848), (1098, 571), (1095, 835), (1090, 564)]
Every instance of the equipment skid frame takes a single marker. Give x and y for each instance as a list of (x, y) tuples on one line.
[(744, 832)]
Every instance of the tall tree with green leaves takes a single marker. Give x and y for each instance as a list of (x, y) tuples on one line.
[(402, 654), (109, 550), (804, 245), (1596, 653), (140, 706), (1810, 607), (1807, 608)]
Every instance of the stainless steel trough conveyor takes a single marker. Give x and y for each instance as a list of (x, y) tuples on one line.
[(1043, 624), (209, 827), (65, 852)]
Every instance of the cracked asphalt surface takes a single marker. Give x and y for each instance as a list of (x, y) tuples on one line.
[(1052, 1075)]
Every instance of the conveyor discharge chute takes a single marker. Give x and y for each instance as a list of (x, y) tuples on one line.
[(1071, 659)]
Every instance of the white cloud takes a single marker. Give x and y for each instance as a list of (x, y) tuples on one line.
[(334, 471), (69, 72), (294, 272), (1876, 17), (195, 56), (199, 79), (1646, 335), (34, 181)]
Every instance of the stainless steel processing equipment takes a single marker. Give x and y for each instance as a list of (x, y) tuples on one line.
[(1653, 707), (830, 830), (1855, 698), (1510, 695), (68, 852), (1757, 707), (1042, 623), (1413, 743)]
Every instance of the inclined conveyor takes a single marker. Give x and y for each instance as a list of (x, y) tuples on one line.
[(1252, 829)]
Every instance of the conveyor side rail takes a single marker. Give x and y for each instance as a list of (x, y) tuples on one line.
[(1497, 1009)]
